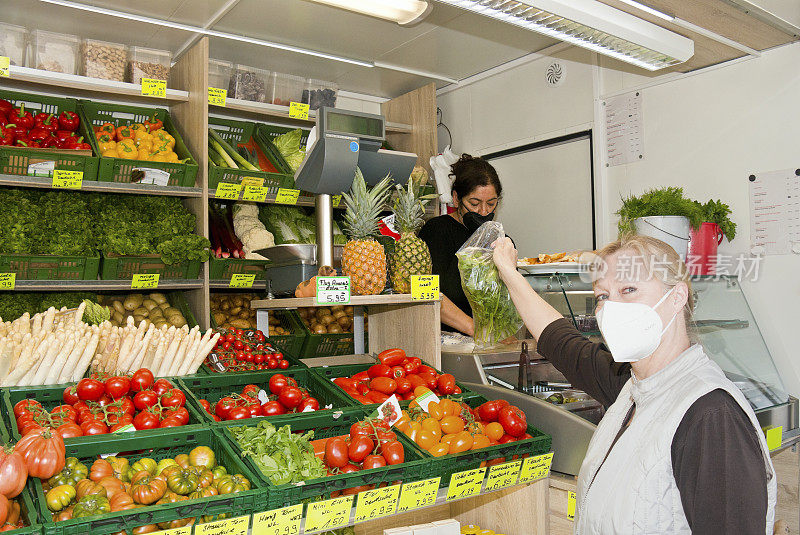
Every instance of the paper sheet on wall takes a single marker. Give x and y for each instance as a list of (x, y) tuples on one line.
[(775, 212), (624, 129)]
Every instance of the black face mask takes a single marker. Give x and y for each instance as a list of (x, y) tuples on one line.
[(473, 220)]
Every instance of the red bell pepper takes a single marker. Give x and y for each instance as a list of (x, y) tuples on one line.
[(38, 134), (81, 146), (48, 121), (64, 134), (76, 143), (50, 141), (23, 119), (6, 136), (68, 120), (3, 120), (6, 107)]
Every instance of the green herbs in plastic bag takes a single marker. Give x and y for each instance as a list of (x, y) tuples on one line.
[(495, 316)]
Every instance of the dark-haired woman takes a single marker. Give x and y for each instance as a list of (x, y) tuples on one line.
[(476, 193)]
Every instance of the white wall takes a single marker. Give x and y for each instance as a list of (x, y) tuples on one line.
[(705, 131)]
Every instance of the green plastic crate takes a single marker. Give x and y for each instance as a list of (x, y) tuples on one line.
[(50, 267), (224, 268), (168, 444), (213, 388), (288, 344), (328, 345), (28, 512), (447, 465), (327, 424), (347, 370), (119, 169), (119, 267), (235, 132), (15, 161)]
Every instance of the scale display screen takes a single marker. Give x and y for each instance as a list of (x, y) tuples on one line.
[(353, 124)]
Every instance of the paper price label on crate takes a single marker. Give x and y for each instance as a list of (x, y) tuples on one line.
[(571, 505), (216, 96), (8, 281), (328, 514), (229, 526), (252, 181), (285, 521), (335, 200), (144, 281), (226, 190), (503, 475), (287, 196), (333, 290), (255, 193), (5, 66), (242, 280), (425, 287), (67, 179), (186, 530), (534, 468), (298, 110), (376, 503), (418, 494), (465, 484), (154, 88)]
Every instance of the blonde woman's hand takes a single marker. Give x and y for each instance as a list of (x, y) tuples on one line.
[(504, 255)]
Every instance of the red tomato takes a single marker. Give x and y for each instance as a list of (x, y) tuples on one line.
[(65, 412), (393, 452), (283, 364), (230, 338), (489, 411), (90, 389), (161, 386), (105, 400), (429, 380), (146, 420), (505, 439), (126, 404), (360, 429), (308, 404), (446, 384), (69, 430), (170, 422), (239, 356), (383, 384), (27, 427), (373, 461), (118, 386), (349, 468), (290, 397), (145, 399), (513, 421), (392, 357), (224, 406), (412, 365), (277, 383), (238, 413), (173, 398), (376, 397), (416, 380), (180, 414), (272, 408), (336, 452), (70, 395), (254, 410), (398, 372), (80, 406), (403, 385), (362, 388), (379, 370), (424, 368), (258, 358), (361, 376), (94, 427), (206, 405), (345, 382), (272, 363), (360, 446), (384, 436)]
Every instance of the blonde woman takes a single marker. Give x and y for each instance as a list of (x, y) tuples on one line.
[(679, 449)]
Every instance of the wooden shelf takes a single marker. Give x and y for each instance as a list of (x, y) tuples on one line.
[(222, 284), (356, 300), (24, 77), (97, 285), (282, 113), (102, 187)]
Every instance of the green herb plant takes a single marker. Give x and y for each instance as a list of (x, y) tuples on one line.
[(718, 212), (660, 201)]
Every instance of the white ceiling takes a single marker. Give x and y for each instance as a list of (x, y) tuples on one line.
[(450, 43)]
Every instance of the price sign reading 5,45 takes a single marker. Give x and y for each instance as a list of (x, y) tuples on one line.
[(425, 287), (333, 290)]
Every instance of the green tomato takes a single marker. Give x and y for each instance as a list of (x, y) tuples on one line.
[(234, 483), (219, 472), (144, 464), (182, 481), (91, 505), (59, 497), (73, 472), (164, 463)]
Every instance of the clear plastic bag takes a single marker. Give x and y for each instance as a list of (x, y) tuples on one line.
[(495, 316)]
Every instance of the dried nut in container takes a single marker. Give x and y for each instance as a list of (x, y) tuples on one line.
[(141, 69), (104, 60)]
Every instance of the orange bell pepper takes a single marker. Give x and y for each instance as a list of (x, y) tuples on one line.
[(108, 128), (154, 124), (124, 132)]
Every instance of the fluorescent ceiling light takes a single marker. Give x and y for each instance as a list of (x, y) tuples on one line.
[(593, 25), (399, 11), (648, 9)]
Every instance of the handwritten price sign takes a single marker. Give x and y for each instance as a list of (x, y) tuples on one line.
[(287, 196), (229, 526), (186, 530), (5, 66), (298, 110), (465, 484), (333, 290), (377, 503), (418, 494), (503, 475), (154, 88), (242, 280), (226, 190), (8, 281), (328, 514), (67, 179), (217, 97), (284, 521), (535, 468), (255, 193), (144, 281), (425, 287)]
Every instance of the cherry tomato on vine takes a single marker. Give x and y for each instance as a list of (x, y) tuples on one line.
[(118, 386), (90, 389), (142, 379)]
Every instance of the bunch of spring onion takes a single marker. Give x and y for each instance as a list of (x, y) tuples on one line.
[(223, 154)]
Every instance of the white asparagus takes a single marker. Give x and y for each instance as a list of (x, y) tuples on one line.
[(73, 358), (125, 347), (26, 359), (49, 316), (49, 360), (6, 355), (159, 356), (150, 354), (53, 370), (191, 352), (37, 324), (79, 313), (203, 352), (172, 348), (136, 363), (38, 354), (85, 359), (180, 354)]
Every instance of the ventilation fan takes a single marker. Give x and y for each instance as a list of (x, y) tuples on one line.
[(555, 74)]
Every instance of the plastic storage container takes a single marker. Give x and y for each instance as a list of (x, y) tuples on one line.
[(287, 88), (319, 93), (104, 60), (12, 43), (249, 83), (148, 63), (56, 52), (219, 73)]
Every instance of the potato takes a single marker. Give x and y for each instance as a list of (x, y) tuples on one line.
[(132, 303), (327, 320), (237, 301), (163, 306), (321, 313), (344, 322), (160, 324), (337, 308), (156, 313), (137, 319), (168, 311), (117, 317), (339, 314), (349, 310), (220, 318), (158, 298), (149, 304), (141, 311), (234, 311), (319, 329), (334, 328), (240, 324), (177, 321), (225, 305)]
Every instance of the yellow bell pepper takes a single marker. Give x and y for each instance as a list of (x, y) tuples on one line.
[(106, 143), (127, 149), (162, 136), (142, 135), (110, 153), (138, 127), (145, 144), (172, 157), (159, 157), (161, 147), (144, 154)]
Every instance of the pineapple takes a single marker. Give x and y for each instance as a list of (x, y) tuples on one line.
[(411, 256), (364, 260)]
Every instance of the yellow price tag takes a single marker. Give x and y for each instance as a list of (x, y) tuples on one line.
[(418, 494), (252, 181), (571, 505), (8, 281), (186, 530), (5, 66), (774, 434), (328, 514), (284, 521), (217, 97), (242, 280), (228, 526), (465, 484), (503, 475), (226, 190), (376, 503), (255, 193), (67, 179), (287, 196), (154, 88), (298, 110), (335, 200), (425, 287), (534, 468), (144, 281)]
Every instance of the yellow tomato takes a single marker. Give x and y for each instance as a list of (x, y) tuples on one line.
[(421, 390), (435, 410), (449, 407), (494, 431), (426, 440), (480, 441), (439, 449), (452, 424), (447, 439), (413, 430), (462, 442), (432, 425)]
